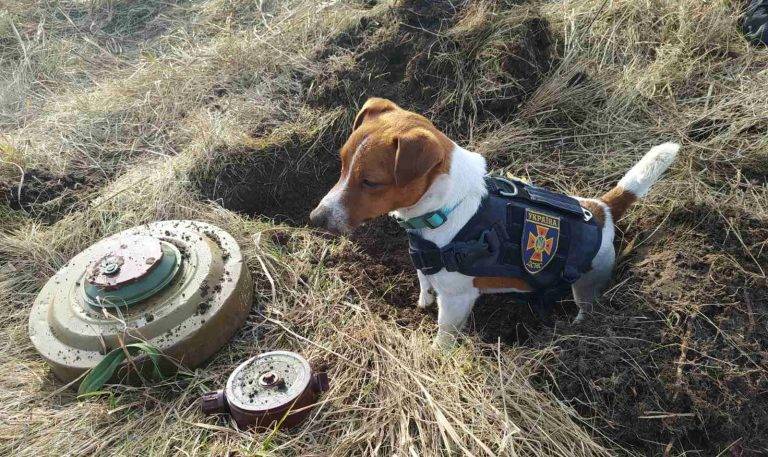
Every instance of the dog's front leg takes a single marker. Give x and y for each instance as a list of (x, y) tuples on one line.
[(426, 294), (453, 310)]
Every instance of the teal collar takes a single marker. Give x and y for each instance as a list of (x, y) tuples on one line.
[(431, 220)]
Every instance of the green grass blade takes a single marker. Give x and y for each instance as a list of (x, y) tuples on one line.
[(100, 374), (103, 371)]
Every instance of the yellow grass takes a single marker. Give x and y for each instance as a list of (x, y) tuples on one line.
[(152, 99)]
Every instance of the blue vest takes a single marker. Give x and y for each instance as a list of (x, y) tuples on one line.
[(520, 231)]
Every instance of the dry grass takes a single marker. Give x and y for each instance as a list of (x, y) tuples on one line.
[(151, 100)]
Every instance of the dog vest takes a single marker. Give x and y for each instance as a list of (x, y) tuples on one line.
[(521, 231)]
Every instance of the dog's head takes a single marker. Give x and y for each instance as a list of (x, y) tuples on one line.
[(389, 161)]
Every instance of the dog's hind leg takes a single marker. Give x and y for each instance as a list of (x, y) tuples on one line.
[(585, 292), (591, 284), (588, 288)]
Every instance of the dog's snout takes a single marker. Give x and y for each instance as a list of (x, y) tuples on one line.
[(319, 217), (329, 218)]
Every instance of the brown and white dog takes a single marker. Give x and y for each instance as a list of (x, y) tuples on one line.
[(397, 162)]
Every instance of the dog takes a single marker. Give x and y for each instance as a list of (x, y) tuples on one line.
[(396, 162)]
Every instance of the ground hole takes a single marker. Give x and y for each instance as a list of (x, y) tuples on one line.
[(46, 196)]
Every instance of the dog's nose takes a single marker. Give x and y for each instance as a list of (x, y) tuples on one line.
[(319, 217)]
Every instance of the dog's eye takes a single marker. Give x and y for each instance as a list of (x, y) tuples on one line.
[(370, 184)]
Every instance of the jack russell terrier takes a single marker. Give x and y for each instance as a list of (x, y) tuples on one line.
[(470, 233)]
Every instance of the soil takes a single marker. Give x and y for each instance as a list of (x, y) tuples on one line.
[(281, 183), (676, 356), (45, 195), (381, 270)]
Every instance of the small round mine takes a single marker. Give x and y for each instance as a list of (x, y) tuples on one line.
[(270, 381)]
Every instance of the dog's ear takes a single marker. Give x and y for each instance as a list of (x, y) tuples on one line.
[(372, 108), (418, 152)]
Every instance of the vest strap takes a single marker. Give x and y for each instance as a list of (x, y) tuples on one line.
[(456, 256)]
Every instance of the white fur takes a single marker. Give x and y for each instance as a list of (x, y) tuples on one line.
[(338, 219), (464, 183), (641, 177)]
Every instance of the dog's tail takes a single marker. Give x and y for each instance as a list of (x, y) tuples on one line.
[(639, 179)]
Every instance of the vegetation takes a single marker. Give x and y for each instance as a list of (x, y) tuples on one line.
[(115, 113)]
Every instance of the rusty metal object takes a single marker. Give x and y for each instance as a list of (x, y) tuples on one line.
[(273, 388), (124, 260), (206, 298), (130, 269)]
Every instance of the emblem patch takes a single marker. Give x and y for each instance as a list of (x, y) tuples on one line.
[(541, 232)]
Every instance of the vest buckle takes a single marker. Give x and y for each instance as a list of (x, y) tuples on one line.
[(511, 187), (461, 256)]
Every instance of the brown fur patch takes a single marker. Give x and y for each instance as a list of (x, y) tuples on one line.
[(618, 200), (389, 160), (501, 283), (598, 212)]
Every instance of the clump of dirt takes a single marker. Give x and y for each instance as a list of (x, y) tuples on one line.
[(43, 194), (381, 268), (607, 369), (512, 320)]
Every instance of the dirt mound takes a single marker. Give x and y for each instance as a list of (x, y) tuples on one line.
[(381, 270)]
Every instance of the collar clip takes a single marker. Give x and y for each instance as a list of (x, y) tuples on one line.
[(430, 220)]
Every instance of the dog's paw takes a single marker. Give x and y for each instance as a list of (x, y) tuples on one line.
[(444, 342), (426, 298), (579, 318)]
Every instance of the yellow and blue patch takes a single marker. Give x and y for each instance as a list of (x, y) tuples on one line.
[(541, 233)]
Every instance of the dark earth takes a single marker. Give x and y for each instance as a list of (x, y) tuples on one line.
[(43, 194)]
